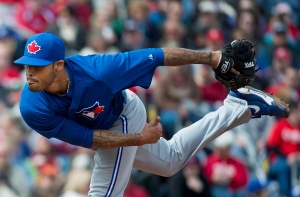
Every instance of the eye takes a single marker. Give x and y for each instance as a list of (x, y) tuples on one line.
[(36, 68), (39, 67)]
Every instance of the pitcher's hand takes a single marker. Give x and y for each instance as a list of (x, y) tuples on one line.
[(151, 132)]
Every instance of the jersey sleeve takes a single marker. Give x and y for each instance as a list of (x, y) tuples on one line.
[(50, 125), (124, 70)]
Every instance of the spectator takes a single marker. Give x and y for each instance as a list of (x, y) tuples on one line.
[(175, 11), (82, 11), (284, 11), (208, 14), (212, 91), (281, 36), (98, 45), (239, 33), (132, 37), (247, 21), (10, 78), (75, 188), (227, 175), (100, 21), (102, 5), (46, 168), (138, 11), (269, 8), (12, 41), (158, 16), (33, 17), (278, 38), (173, 34), (82, 159), (197, 38), (9, 38), (12, 179), (281, 61), (257, 188), (283, 143), (189, 182), (257, 11), (246, 5), (69, 29), (154, 184), (290, 83), (216, 14), (115, 20), (12, 133), (134, 190), (215, 39), (7, 8), (171, 90), (46, 185)]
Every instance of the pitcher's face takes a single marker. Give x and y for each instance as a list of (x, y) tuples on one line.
[(39, 77)]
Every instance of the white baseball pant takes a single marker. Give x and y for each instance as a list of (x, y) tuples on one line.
[(113, 166)]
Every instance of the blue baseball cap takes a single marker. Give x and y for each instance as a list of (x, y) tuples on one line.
[(42, 49)]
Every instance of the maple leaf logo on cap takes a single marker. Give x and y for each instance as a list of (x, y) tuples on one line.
[(33, 47)]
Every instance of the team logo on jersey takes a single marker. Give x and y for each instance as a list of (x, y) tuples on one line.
[(91, 112), (33, 47)]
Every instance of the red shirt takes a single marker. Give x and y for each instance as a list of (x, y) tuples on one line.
[(279, 88), (36, 22), (10, 1), (10, 76), (213, 92), (285, 137), (9, 72), (133, 190), (235, 168)]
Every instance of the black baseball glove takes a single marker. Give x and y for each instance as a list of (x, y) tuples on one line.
[(239, 55)]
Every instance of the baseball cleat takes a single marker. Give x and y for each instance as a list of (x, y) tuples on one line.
[(261, 103)]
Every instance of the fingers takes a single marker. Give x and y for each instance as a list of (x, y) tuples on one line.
[(160, 129), (234, 71), (155, 121)]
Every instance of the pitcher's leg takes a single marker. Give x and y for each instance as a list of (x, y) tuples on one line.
[(167, 157), (113, 167), (111, 171)]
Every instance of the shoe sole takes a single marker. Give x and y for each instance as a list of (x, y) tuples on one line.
[(270, 99)]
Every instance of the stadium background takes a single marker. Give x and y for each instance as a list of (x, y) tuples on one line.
[(257, 159)]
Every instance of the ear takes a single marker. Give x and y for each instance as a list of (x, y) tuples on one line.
[(59, 65)]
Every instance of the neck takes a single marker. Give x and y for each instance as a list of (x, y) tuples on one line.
[(68, 88), (60, 85)]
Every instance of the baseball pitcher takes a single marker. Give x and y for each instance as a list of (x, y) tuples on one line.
[(83, 100)]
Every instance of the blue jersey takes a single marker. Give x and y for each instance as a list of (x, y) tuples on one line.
[(95, 98)]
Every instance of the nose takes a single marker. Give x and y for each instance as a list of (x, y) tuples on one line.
[(29, 71)]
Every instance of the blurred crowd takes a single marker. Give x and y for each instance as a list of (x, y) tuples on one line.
[(258, 159)]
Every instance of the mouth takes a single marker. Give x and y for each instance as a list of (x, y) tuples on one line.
[(30, 81)]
